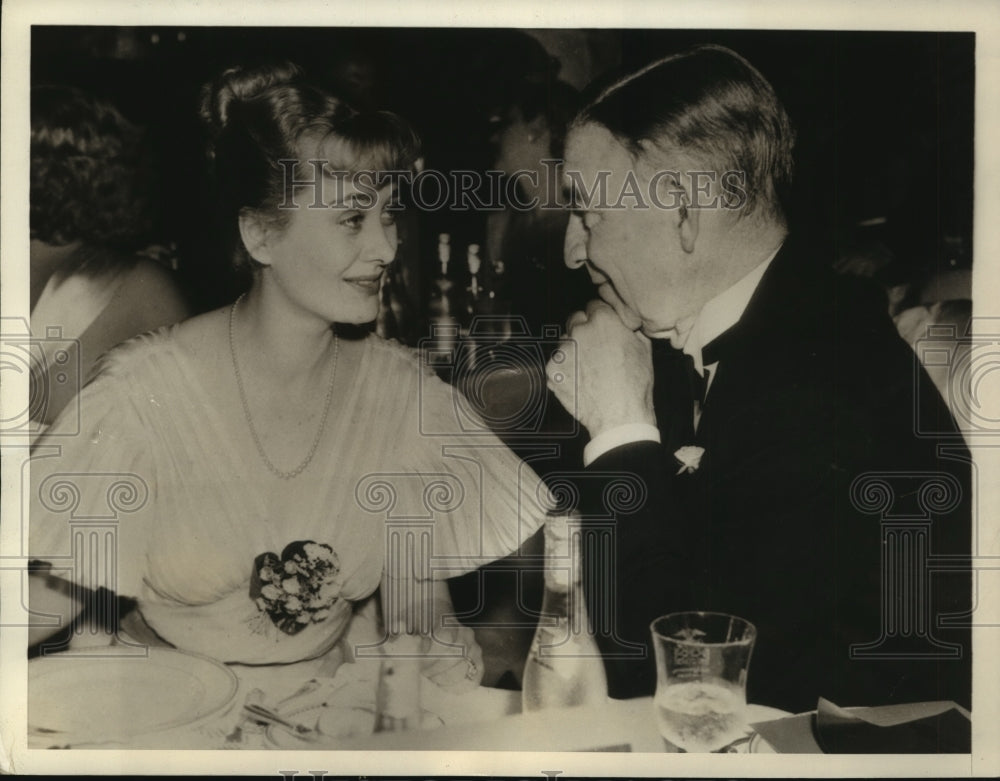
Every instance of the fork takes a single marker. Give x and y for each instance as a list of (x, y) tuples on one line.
[(266, 714)]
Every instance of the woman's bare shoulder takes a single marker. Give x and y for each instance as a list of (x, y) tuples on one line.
[(196, 343), (203, 336), (154, 294), (396, 355)]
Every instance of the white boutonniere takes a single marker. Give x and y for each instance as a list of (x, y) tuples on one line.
[(689, 457)]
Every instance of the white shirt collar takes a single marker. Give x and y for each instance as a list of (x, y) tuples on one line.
[(723, 311)]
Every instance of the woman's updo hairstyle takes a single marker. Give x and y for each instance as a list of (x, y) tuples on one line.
[(259, 116)]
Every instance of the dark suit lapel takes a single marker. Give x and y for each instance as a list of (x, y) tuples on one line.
[(789, 291), (748, 346), (795, 289), (671, 396)]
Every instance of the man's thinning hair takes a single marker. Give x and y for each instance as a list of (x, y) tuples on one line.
[(711, 105)]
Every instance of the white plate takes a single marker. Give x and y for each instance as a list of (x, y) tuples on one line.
[(73, 699), (345, 711), (762, 713)]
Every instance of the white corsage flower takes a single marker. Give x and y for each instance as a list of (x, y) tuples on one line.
[(270, 591), (299, 587), (318, 552), (329, 592), (689, 457)]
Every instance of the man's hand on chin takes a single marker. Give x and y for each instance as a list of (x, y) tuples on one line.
[(611, 366)]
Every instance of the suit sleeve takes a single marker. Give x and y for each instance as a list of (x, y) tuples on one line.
[(637, 562)]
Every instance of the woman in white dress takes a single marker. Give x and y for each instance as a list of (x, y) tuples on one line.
[(265, 459)]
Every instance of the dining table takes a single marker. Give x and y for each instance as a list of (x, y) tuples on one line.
[(608, 726), (171, 700), (192, 703)]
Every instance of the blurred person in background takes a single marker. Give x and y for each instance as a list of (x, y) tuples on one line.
[(929, 300), (89, 214), (529, 132)]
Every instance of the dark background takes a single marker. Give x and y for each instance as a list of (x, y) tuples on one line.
[(884, 120)]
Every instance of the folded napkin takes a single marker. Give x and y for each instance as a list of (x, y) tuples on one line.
[(917, 728), (790, 735)]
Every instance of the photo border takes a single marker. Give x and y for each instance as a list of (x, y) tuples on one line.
[(983, 18)]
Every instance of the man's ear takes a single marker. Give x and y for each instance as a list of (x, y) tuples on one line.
[(688, 222), (254, 233), (674, 191)]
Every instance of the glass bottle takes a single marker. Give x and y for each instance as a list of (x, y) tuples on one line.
[(474, 299), (564, 666), (497, 301), (387, 322), (397, 698), (442, 314), (475, 288), (443, 281)]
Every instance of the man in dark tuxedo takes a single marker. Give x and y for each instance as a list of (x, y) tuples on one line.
[(767, 409)]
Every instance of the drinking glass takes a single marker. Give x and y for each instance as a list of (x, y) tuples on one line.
[(701, 675)]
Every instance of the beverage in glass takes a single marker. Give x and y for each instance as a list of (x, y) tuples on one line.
[(701, 669)]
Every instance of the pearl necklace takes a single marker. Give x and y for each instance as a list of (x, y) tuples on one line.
[(246, 406)]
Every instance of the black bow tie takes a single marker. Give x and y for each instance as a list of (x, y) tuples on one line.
[(669, 360), (697, 381)]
